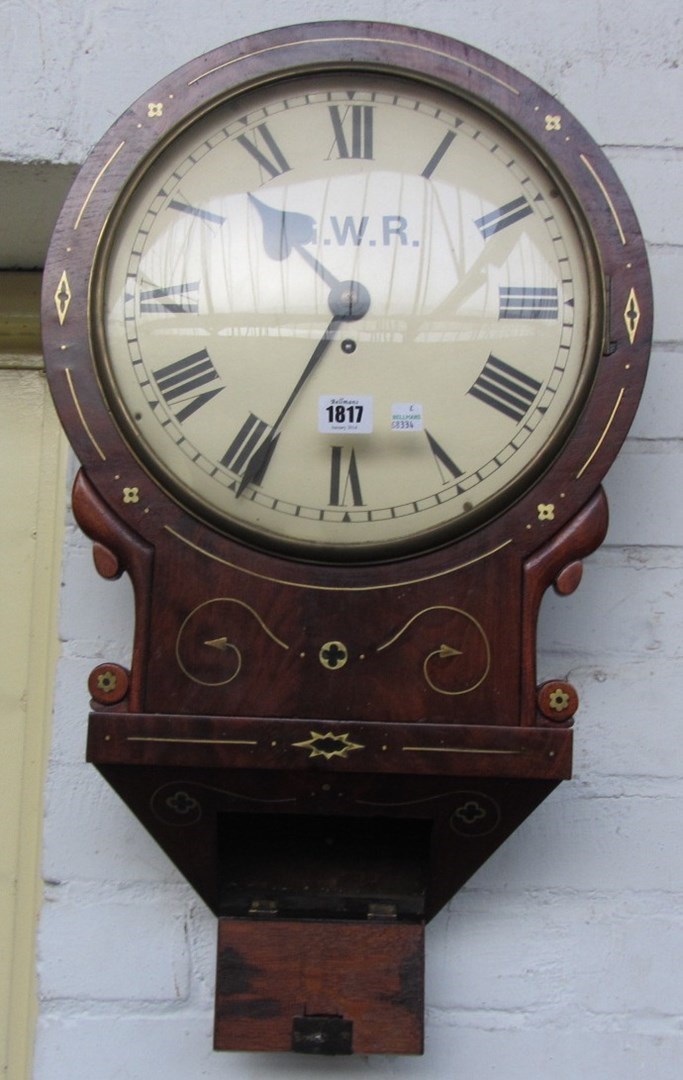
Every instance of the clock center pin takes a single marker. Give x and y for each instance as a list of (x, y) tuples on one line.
[(349, 300)]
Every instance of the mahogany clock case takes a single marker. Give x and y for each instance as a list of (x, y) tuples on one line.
[(267, 683)]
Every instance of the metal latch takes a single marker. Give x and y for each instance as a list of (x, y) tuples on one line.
[(322, 1034)]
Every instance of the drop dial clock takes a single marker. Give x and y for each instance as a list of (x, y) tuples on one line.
[(346, 323)]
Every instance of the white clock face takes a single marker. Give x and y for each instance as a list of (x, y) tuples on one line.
[(346, 316)]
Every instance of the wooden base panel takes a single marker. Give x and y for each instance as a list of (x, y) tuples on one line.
[(328, 987)]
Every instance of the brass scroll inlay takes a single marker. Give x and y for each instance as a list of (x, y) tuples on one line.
[(198, 634), (432, 666), (177, 802)]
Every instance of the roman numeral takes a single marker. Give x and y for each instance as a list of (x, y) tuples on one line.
[(172, 299), (444, 463), (505, 215), (344, 483), (438, 154), (527, 303), (196, 211), (265, 151), (179, 382), (355, 121), (505, 388), (250, 439)]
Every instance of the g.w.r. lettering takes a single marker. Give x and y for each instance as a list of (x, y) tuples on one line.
[(385, 230)]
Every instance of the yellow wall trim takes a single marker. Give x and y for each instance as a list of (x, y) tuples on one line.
[(33, 464)]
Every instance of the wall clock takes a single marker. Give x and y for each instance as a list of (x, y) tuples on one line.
[(346, 323)]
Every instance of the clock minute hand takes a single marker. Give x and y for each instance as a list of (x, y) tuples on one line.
[(260, 459), (348, 301)]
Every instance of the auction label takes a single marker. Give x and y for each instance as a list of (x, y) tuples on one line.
[(406, 416), (344, 415)]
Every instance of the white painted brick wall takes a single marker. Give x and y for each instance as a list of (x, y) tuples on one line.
[(76, 947), (563, 958)]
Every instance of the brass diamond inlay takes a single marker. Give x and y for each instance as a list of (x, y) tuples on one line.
[(632, 315), (62, 298)]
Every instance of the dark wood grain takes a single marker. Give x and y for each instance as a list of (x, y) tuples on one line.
[(273, 972)]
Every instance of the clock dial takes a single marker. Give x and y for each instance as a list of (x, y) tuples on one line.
[(347, 316)]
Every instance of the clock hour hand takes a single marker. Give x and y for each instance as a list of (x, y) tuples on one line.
[(284, 230), (348, 301)]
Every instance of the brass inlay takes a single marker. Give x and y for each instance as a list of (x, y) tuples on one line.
[(632, 315), (604, 434), (95, 183), (458, 750), (196, 742), (546, 511), (318, 741), (475, 809), (336, 588), (382, 41), (182, 803), (606, 196), (558, 700), (176, 785), (131, 495), (220, 791), (445, 651), (62, 297), (155, 108), (81, 417), (333, 655), (106, 681), (553, 123), (410, 802), (222, 643)]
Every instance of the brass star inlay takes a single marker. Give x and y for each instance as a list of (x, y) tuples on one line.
[(328, 745)]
